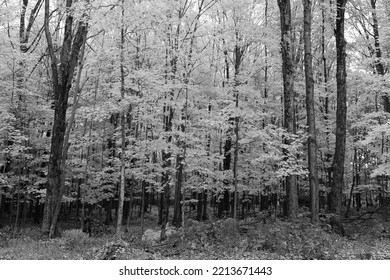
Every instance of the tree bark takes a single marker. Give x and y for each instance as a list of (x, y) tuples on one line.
[(341, 112), (328, 155), (62, 76), (121, 199), (311, 121), (166, 156), (289, 98), (238, 54), (380, 69)]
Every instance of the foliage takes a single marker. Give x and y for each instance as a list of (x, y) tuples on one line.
[(74, 238), (184, 57)]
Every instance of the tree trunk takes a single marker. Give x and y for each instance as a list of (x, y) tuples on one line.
[(166, 155), (62, 76), (328, 155), (238, 58), (177, 210), (311, 122), (380, 69), (289, 98), (341, 112), (121, 199), (265, 57)]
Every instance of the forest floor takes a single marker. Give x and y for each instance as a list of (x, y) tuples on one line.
[(366, 237)]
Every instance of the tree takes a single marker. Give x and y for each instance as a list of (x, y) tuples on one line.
[(118, 234), (311, 121), (341, 111), (288, 99), (61, 77)]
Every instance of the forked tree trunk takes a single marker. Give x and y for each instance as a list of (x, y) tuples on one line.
[(62, 75)]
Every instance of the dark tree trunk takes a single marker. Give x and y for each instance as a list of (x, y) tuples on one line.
[(200, 206), (380, 69), (204, 213), (378, 52), (166, 157), (2, 197), (341, 111), (177, 211), (62, 76), (311, 121), (289, 98), (328, 155), (238, 55)]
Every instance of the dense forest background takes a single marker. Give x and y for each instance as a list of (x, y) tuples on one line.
[(206, 109)]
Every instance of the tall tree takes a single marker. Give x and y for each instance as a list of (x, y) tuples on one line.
[(121, 200), (288, 98), (341, 111), (380, 69), (61, 78), (311, 121)]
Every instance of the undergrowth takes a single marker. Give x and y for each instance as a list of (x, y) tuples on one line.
[(221, 239)]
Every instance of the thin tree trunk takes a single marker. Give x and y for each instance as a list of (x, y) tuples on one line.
[(143, 189), (180, 158), (355, 181), (17, 203), (121, 199), (238, 53)]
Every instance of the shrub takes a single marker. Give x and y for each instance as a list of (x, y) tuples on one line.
[(74, 237), (152, 237), (95, 227)]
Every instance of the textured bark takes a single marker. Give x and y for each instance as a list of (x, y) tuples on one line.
[(171, 61), (328, 155), (25, 31), (121, 199), (341, 112), (227, 156), (61, 82), (379, 67), (288, 98), (166, 158), (265, 57), (311, 121), (180, 158), (20, 110), (238, 55)]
